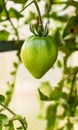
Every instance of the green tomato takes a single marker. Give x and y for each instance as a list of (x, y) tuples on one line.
[(38, 54)]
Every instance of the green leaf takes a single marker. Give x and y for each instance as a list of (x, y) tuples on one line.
[(59, 64), (57, 17), (15, 64), (9, 126), (2, 98), (14, 13), (5, 25), (45, 91), (19, 1), (61, 128), (75, 119), (3, 14), (56, 94), (71, 44), (31, 16), (0, 1), (76, 111), (69, 126), (3, 119), (71, 27), (1, 6), (13, 73), (75, 4), (51, 116), (20, 128), (48, 5), (4, 35)]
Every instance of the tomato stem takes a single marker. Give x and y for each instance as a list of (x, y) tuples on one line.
[(39, 13), (26, 6)]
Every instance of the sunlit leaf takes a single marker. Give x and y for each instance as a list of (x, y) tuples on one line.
[(61, 128), (15, 64), (56, 94), (45, 91), (19, 1), (51, 116), (57, 17), (9, 126), (4, 35), (71, 27), (3, 119), (76, 111), (2, 98), (75, 4), (69, 126), (71, 44), (75, 119), (13, 73), (20, 128), (1, 6), (14, 13), (59, 64), (31, 16), (3, 14)]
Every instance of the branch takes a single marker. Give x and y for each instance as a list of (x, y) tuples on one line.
[(26, 7), (5, 107), (73, 81), (10, 45)]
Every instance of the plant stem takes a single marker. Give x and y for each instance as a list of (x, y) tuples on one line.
[(38, 10), (73, 81), (5, 107), (26, 6), (8, 17), (71, 93), (15, 116), (21, 120), (10, 45), (60, 2), (23, 124)]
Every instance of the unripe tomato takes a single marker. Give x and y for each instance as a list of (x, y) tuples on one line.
[(38, 54)]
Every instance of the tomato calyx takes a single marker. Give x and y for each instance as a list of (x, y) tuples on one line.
[(39, 30)]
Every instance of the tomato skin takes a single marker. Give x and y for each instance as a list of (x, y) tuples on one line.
[(38, 54)]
